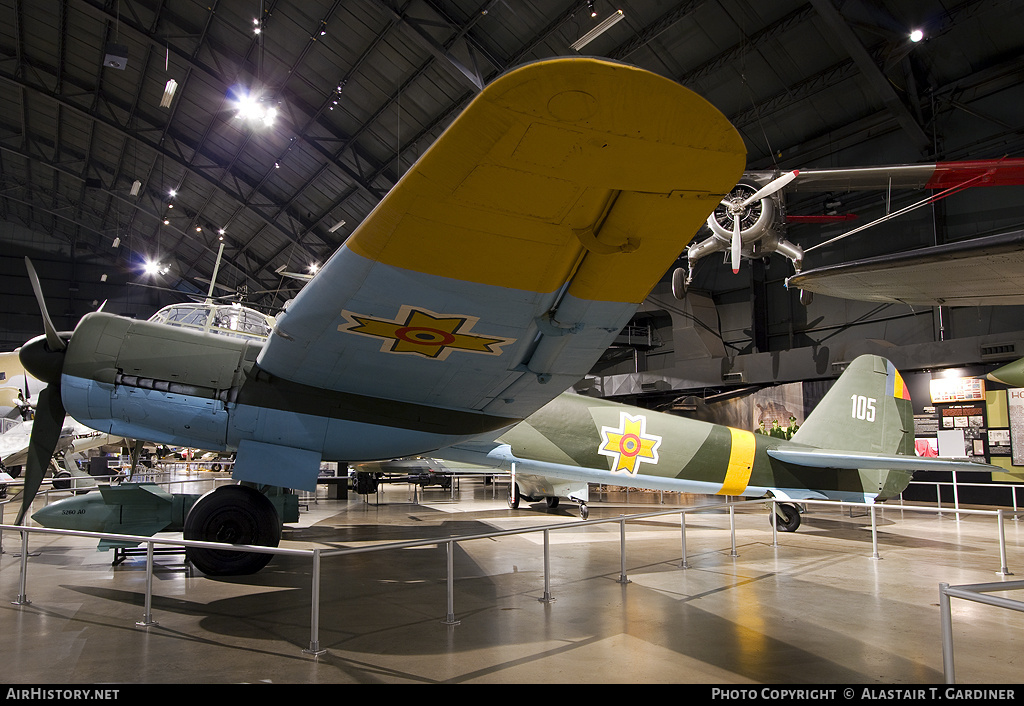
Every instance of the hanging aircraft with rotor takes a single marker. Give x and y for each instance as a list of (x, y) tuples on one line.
[(489, 280), (752, 222)]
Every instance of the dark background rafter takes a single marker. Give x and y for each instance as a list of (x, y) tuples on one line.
[(363, 88)]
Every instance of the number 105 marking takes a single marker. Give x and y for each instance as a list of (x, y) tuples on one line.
[(863, 407)]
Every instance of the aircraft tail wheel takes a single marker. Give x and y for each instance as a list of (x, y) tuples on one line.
[(62, 480), (786, 517), (584, 511), (233, 514), (552, 502), (513, 496)]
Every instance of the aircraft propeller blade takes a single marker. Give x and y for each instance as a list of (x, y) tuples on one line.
[(43, 357), (770, 188), (736, 243), (46, 428), (53, 339)]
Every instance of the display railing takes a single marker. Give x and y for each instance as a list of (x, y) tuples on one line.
[(978, 593), (955, 485), (317, 555)]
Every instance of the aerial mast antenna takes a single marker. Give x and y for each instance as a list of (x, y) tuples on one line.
[(216, 268)]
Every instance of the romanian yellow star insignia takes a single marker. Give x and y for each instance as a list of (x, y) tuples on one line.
[(629, 445), (422, 332)]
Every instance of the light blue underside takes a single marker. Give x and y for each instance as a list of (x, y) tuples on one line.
[(195, 422)]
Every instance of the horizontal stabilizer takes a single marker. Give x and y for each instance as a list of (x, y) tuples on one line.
[(825, 458), (540, 486)]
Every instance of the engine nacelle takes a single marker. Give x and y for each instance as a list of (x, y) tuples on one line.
[(756, 220)]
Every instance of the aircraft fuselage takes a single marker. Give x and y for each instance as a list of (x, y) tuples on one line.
[(169, 385), (599, 441)]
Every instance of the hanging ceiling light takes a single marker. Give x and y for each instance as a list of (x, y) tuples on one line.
[(169, 88), (602, 27), (255, 109)]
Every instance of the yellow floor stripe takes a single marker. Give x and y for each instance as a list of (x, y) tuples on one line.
[(741, 462)]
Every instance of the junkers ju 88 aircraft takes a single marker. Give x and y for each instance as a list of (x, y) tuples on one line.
[(487, 281), (857, 445)]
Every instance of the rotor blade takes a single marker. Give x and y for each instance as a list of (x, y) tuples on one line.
[(771, 187), (46, 429), (736, 243), (53, 340)]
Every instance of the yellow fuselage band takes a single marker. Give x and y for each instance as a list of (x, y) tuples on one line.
[(741, 462)]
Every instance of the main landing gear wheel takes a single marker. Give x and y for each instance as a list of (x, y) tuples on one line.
[(513, 496), (61, 480), (584, 511), (552, 502), (232, 514), (679, 283), (786, 517)]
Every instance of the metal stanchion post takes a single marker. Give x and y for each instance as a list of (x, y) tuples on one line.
[(682, 525), (622, 552), (1004, 570), (450, 619), (546, 598), (956, 497), (874, 534), (147, 618), (947, 635), (775, 526), (22, 596), (314, 619), (732, 529)]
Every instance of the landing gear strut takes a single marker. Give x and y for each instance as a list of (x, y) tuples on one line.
[(786, 517)]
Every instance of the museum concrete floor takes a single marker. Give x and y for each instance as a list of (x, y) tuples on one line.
[(818, 607)]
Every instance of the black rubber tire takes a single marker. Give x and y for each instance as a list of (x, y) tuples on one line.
[(232, 514), (679, 283), (61, 480), (513, 496), (791, 521), (552, 501)]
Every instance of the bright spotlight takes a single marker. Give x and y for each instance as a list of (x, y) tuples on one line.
[(254, 108), (916, 36)]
